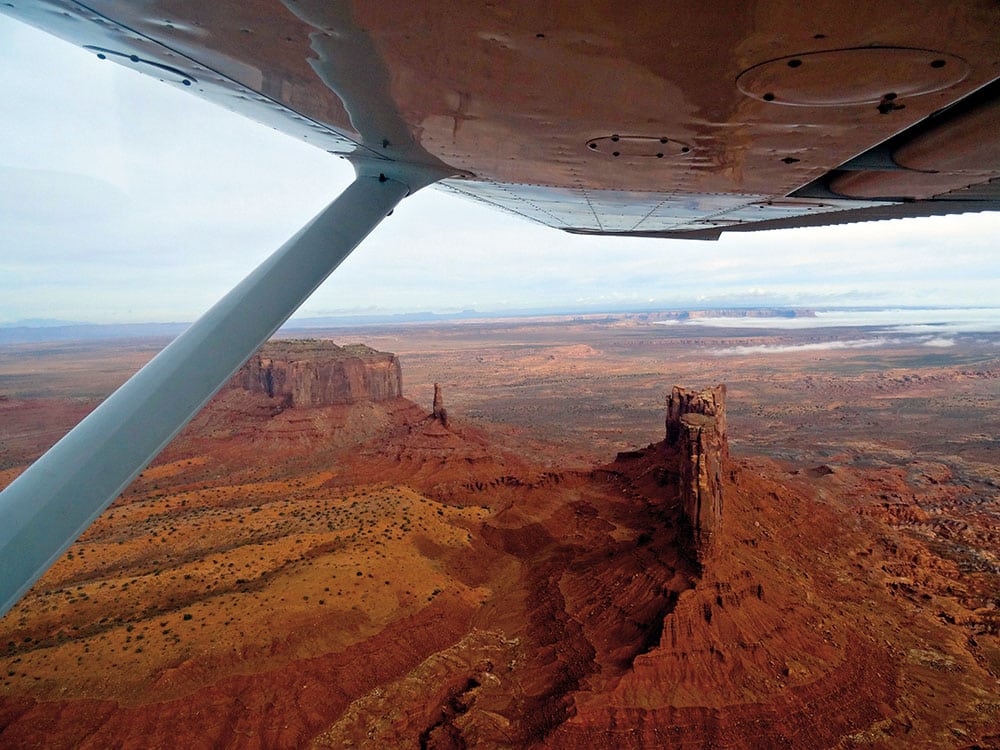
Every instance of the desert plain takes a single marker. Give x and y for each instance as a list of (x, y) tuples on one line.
[(520, 573)]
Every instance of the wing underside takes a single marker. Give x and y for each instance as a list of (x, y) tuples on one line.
[(621, 213), (656, 119), (704, 217)]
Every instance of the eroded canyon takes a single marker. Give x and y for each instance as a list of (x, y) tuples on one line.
[(803, 558)]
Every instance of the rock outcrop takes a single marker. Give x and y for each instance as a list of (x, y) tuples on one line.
[(696, 429), (439, 412), (303, 373)]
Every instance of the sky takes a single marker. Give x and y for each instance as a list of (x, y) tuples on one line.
[(126, 200)]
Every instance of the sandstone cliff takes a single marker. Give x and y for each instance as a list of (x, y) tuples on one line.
[(696, 429), (305, 373)]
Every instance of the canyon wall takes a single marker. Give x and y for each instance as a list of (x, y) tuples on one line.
[(306, 373), (696, 429)]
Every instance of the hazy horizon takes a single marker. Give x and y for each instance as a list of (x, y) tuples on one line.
[(818, 316), (878, 327)]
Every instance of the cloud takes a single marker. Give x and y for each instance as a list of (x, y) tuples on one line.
[(788, 348), (868, 343)]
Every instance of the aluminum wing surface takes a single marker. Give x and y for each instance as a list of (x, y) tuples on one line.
[(670, 119)]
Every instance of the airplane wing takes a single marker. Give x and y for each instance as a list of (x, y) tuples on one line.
[(665, 118)]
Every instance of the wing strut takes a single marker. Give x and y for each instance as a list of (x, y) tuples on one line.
[(48, 506)]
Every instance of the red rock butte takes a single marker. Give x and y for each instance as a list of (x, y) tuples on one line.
[(304, 373)]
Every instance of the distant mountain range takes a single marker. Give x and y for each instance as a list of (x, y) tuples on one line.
[(28, 332)]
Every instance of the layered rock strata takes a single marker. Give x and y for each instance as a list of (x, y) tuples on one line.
[(696, 429), (320, 373)]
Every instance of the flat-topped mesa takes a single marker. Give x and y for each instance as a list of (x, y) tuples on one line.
[(696, 429), (306, 373)]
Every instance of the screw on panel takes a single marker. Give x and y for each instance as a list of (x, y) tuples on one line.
[(888, 104)]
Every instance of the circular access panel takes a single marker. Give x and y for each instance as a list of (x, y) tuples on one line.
[(861, 75)]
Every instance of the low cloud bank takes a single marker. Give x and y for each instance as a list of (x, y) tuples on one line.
[(932, 341), (786, 348)]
